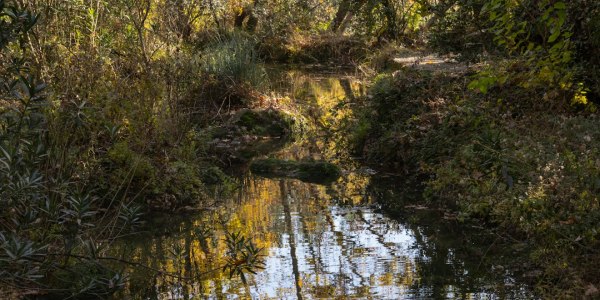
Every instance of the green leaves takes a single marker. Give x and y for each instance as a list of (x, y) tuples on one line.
[(47, 208), (15, 22), (20, 258), (483, 83), (131, 215), (560, 5), (242, 256), (539, 41), (79, 210)]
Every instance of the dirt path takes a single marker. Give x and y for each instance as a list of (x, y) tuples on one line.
[(430, 62)]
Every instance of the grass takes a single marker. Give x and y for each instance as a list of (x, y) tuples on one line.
[(326, 48), (234, 59)]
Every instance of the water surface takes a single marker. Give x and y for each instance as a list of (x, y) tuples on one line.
[(321, 242)]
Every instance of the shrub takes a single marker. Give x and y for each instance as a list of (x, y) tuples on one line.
[(531, 172)]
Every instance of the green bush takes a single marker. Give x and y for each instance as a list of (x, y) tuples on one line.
[(184, 182), (128, 174), (495, 161), (51, 220)]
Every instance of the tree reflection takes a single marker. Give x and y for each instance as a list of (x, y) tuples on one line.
[(455, 261), (323, 242)]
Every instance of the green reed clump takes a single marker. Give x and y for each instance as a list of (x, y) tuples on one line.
[(233, 59)]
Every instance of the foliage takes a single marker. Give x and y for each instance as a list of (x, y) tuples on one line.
[(331, 49), (105, 108), (265, 123), (133, 165), (460, 27), (242, 256), (585, 19), (541, 39), (492, 159), (14, 24), (102, 109), (184, 181), (51, 216)]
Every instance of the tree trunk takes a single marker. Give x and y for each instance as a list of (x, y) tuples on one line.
[(252, 19), (340, 16), (346, 10), (239, 19), (390, 15)]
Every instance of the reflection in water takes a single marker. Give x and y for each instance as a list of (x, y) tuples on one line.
[(285, 200), (319, 242), (315, 248)]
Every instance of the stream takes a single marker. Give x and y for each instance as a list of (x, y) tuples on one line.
[(339, 241)]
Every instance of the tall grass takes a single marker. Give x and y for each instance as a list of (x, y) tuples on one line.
[(233, 58)]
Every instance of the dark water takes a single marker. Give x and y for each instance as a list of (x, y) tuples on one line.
[(322, 242)]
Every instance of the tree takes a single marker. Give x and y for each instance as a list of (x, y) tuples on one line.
[(346, 10)]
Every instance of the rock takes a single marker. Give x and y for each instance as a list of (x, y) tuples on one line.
[(320, 172), (265, 122)]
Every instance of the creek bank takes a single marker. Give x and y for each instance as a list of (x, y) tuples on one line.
[(446, 256), (491, 158), (193, 171)]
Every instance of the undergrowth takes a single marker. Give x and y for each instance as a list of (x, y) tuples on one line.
[(325, 48), (91, 139), (502, 158)]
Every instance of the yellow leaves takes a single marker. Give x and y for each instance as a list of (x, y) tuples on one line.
[(580, 96), (238, 6)]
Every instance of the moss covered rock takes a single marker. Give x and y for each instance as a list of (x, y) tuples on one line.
[(265, 123), (320, 172)]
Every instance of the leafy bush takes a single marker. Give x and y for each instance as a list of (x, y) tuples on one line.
[(492, 160), (53, 222), (549, 44), (52, 215)]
